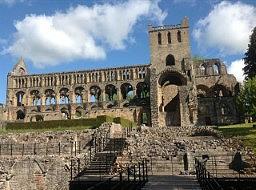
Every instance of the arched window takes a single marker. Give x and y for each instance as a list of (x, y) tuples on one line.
[(170, 60), (169, 38), (202, 69), (216, 70), (179, 36), (159, 38)]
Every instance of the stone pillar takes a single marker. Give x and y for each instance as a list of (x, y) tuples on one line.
[(85, 96), (57, 101), (72, 96), (134, 91), (43, 98), (154, 99)]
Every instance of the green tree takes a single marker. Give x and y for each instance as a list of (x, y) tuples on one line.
[(246, 100), (250, 57)]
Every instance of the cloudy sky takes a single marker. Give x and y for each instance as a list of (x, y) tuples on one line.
[(68, 35)]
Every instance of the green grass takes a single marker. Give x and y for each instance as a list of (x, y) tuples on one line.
[(74, 128), (244, 131)]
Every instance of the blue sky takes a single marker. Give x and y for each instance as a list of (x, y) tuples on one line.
[(68, 35)]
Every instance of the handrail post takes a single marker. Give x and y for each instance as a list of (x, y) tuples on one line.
[(134, 173), (139, 172), (128, 173), (143, 170)]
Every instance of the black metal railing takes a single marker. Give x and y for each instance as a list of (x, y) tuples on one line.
[(130, 177), (205, 179)]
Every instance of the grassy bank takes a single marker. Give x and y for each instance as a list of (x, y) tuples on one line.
[(59, 128), (244, 131), (62, 125)]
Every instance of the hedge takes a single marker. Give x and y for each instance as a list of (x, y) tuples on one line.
[(93, 122), (124, 122)]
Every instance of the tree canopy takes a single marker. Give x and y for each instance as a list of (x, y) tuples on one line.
[(250, 57), (246, 99)]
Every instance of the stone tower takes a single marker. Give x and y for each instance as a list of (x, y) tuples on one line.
[(172, 76)]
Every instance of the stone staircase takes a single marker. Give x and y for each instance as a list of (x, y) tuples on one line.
[(104, 160), (100, 167)]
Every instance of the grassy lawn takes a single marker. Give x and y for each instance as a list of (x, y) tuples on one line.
[(244, 131), (75, 128)]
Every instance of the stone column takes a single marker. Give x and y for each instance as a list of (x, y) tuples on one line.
[(43, 98), (72, 97), (154, 99)]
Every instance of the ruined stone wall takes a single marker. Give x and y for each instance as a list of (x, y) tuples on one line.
[(32, 161), (75, 95), (167, 92), (216, 90)]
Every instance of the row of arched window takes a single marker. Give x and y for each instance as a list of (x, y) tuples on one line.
[(169, 37), (214, 69), (81, 78)]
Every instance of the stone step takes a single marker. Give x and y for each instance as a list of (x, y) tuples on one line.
[(172, 182)]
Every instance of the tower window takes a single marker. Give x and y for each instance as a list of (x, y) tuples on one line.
[(179, 36), (159, 38), (170, 60), (216, 70), (169, 38)]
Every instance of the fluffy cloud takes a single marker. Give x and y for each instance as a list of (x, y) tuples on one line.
[(81, 32), (236, 68), (227, 27)]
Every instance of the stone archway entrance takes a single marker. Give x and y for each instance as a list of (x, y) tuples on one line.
[(169, 83), (172, 110)]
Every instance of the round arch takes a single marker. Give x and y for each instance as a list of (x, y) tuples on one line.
[(168, 77), (126, 91), (219, 90), (142, 90), (202, 90), (170, 60)]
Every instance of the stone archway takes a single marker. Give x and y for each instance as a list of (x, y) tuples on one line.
[(20, 115), (169, 82)]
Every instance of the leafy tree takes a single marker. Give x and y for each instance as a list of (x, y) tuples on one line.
[(250, 57), (246, 100)]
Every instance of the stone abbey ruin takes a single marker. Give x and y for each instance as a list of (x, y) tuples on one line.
[(173, 90)]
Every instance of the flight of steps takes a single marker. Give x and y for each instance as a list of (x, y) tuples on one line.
[(172, 182), (100, 166)]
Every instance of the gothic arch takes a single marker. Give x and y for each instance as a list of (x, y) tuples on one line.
[(19, 96)]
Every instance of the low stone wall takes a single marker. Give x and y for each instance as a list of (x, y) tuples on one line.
[(43, 160), (38, 172)]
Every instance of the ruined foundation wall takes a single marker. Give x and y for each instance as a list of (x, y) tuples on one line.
[(42, 161)]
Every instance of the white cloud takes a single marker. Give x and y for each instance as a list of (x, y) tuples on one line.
[(227, 27), (81, 32), (236, 68), (10, 2)]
